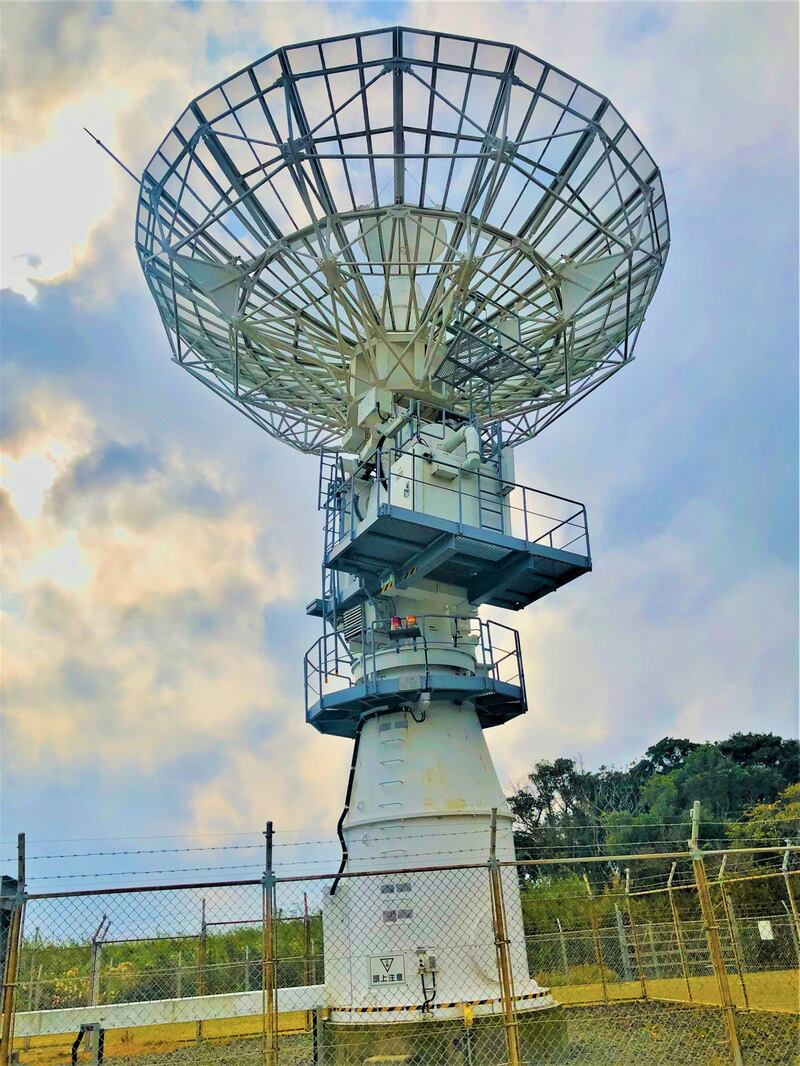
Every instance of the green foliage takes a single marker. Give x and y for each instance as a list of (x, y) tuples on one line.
[(766, 823), (565, 810), (577, 975), (564, 898), (162, 968)]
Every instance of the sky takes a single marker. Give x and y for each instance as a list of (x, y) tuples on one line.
[(160, 549)]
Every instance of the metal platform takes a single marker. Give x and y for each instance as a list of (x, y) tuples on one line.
[(338, 713), (485, 668), (495, 568)]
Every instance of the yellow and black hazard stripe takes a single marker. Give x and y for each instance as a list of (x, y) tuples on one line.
[(390, 581), (434, 1006)]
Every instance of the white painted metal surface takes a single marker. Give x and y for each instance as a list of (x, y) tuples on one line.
[(163, 1011), (422, 796)]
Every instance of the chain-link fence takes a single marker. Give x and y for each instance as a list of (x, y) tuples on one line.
[(659, 959)]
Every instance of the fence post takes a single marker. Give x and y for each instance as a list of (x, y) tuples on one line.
[(32, 984), (790, 894), (598, 949), (792, 931), (651, 936), (37, 996), (306, 940), (269, 1005), (11, 960), (502, 948), (676, 921), (95, 961), (563, 942), (624, 947), (202, 948), (730, 918), (736, 933), (712, 934), (634, 935)]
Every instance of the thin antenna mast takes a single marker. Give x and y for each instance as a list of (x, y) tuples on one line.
[(109, 152)]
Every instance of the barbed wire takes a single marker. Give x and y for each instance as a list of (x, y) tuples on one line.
[(604, 826), (483, 830), (757, 860), (236, 866), (403, 836), (520, 849)]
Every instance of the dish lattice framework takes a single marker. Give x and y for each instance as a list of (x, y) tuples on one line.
[(491, 219)]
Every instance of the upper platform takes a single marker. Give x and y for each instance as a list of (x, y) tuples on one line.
[(496, 569), (506, 544)]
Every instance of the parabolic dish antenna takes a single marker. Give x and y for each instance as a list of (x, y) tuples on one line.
[(448, 218)]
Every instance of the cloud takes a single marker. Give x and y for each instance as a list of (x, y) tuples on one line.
[(158, 550), (133, 591), (125, 71), (682, 75), (301, 790), (671, 637)]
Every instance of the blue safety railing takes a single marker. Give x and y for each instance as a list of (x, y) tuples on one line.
[(329, 663), (479, 500)]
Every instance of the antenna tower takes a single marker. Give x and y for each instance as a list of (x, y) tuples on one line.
[(407, 253)]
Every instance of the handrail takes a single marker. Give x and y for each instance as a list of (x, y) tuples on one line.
[(496, 650), (379, 469)]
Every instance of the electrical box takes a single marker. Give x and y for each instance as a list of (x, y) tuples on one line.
[(426, 963), (444, 466)]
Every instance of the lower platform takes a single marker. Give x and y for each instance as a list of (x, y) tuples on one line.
[(338, 713)]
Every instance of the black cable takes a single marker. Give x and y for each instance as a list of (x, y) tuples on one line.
[(428, 999), (419, 720), (346, 808)]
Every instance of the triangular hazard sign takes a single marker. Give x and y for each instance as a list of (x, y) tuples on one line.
[(387, 963)]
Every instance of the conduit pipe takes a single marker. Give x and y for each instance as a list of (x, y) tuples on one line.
[(468, 436)]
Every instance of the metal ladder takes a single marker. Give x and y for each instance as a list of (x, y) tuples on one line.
[(490, 508), (330, 478)]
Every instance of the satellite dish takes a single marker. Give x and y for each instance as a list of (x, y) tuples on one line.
[(446, 218)]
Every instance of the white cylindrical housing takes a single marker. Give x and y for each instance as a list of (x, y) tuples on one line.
[(422, 795)]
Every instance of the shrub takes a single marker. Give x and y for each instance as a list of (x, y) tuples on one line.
[(578, 975)]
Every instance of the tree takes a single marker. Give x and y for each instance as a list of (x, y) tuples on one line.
[(662, 758), (724, 787), (769, 824), (565, 810), (767, 750)]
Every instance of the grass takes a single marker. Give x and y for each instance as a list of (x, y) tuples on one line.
[(642, 1033), (774, 990)]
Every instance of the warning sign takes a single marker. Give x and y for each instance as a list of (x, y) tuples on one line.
[(387, 970)]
